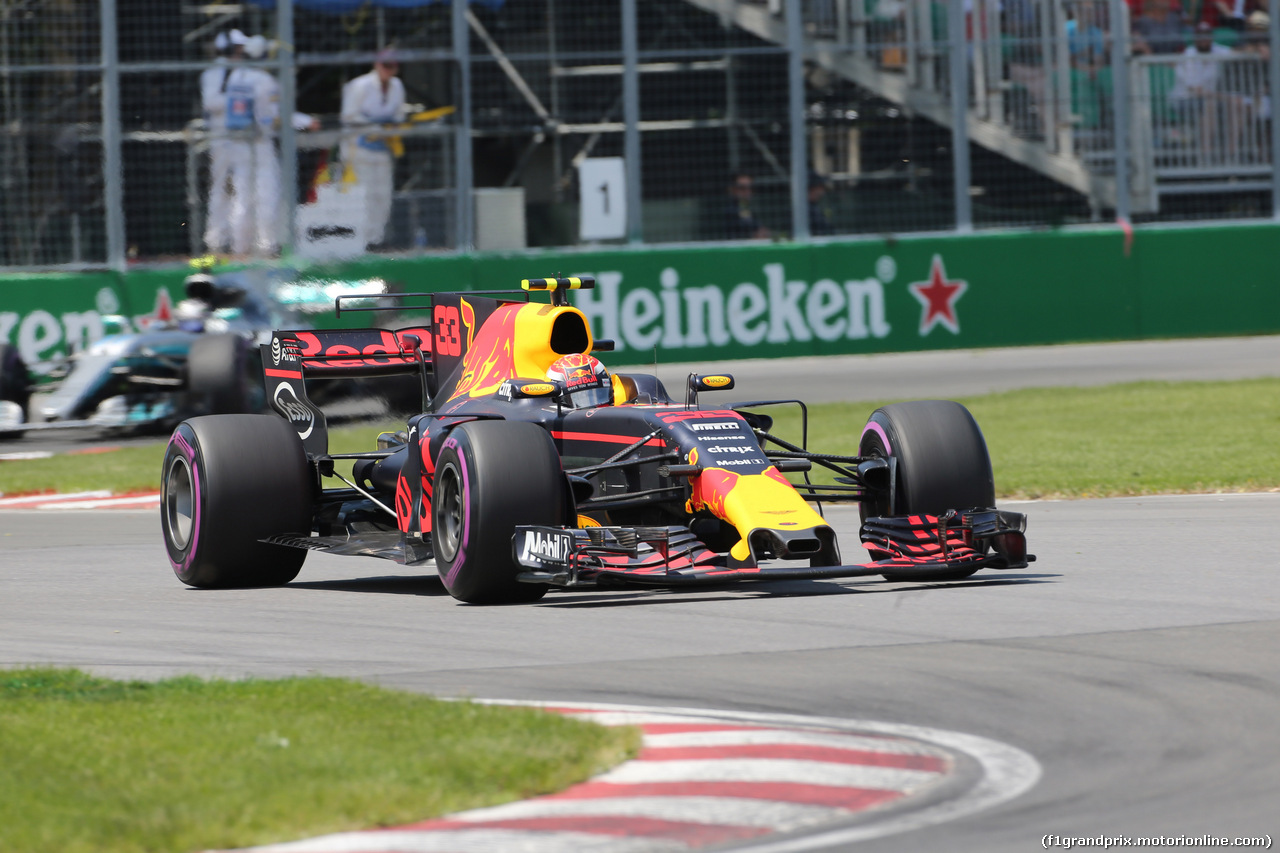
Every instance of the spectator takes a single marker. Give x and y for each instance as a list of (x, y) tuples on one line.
[(374, 98), (1226, 13), (1197, 76), (1086, 40), (251, 114), (266, 160), (740, 222), (213, 101), (1256, 41), (1197, 94), (819, 217), (1158, 29)]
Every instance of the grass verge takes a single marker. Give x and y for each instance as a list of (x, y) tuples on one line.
[(92, 765), (1131, 439)]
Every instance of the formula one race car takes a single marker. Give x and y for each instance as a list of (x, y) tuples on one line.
[(532, 466), (203, 358)]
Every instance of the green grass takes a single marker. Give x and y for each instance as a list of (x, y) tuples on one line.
[(129, 469), (89, 765), (1132, 439)]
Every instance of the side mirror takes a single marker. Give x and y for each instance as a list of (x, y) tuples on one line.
[(711, 382)]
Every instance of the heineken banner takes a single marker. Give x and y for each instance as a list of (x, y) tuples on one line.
[(758, 301)]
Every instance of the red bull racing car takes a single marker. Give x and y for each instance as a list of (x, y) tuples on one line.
[(531, 467)]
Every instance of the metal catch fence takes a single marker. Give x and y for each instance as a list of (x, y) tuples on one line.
[(151, 131)]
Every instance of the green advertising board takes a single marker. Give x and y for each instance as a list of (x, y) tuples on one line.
[(717, 302), (44, 314)]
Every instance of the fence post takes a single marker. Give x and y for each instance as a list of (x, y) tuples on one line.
[(112, 140), (464, 217), (631, 117), (1120, 106), (960, 167), (288, 137), (795, 110), (1274, 69)]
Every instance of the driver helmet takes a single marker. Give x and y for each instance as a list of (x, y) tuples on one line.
[(586, 381), (199, 286), (190, 315)]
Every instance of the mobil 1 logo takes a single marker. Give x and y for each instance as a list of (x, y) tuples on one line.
[(541, 547)]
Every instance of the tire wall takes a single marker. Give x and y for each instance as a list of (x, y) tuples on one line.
[(749, 300)]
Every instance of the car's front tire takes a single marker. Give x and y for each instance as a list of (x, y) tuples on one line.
[(227, 482), (942, 463), (489, 477)]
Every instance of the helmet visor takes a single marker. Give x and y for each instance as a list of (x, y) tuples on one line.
[(587, 398)]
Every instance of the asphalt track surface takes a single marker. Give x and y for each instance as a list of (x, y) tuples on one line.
[(1135, 660)]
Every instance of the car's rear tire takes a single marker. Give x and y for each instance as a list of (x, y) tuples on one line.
[(491, 476), (227, 482), (15, 384), (223, 374), (942, 464)]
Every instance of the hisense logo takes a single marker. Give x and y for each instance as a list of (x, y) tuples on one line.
[(778, 311)]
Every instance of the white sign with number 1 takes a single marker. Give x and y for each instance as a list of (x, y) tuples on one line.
[(602, 183)]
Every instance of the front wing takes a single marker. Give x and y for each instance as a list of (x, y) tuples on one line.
[(674, 557)]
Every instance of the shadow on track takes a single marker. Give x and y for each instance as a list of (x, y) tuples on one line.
[(635, 597), (430, 585), (386, 585)]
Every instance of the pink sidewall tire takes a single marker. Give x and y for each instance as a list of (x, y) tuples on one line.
[(227, 482), (489, 477)]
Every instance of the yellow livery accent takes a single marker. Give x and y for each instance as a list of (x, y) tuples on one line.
[(569, 283), (516, 343), (716, 381), (748, 501)]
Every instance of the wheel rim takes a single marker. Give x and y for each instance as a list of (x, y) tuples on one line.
[(447, 529), (179, 502)]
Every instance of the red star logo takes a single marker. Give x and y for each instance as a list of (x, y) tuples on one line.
[(938, 299), (163, 313)]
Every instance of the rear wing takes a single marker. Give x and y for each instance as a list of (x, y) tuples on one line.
[(457, 316), (434, 350), (298, 354), (350, 352)]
